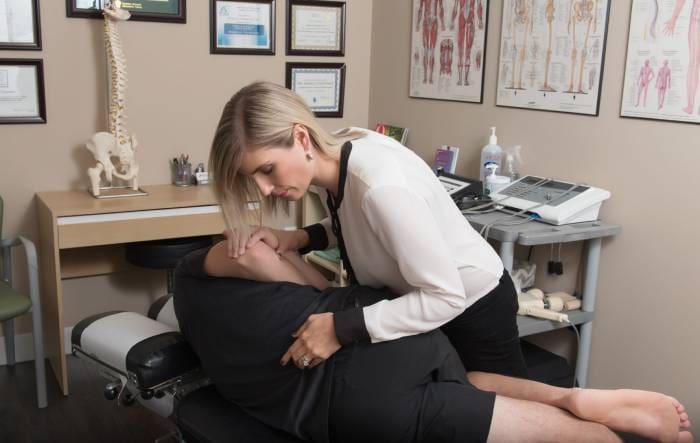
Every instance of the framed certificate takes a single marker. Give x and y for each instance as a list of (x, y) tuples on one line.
[(242, 27), (19, 25), (172, 11), (315, 27), (22, 91), (322, 85)]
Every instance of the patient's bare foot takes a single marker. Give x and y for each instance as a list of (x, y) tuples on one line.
[(648, 414), (685, 421)]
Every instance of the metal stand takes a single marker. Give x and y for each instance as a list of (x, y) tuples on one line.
[(536, 233), (118, 192)]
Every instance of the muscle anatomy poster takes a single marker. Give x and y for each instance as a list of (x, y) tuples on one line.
[(663, 61), (448, 46), (551, 55)]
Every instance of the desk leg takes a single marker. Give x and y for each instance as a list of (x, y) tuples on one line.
[(51, 295), (588, 305), (507, 253)]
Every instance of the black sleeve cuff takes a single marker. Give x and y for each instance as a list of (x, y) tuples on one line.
[(350, 326), (318, 239)]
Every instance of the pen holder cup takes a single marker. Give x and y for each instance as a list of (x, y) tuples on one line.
[(183, 175)]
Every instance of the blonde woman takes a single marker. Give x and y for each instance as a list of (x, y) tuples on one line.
[(392, 219)]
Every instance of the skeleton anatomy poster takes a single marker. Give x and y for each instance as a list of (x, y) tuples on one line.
[(551, 55), (663, 60), (448, 47)]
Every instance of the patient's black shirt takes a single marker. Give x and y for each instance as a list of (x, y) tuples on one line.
[(240, 329)]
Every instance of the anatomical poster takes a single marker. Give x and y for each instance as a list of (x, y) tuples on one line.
[(551, 55), (663, 61), (448, 46)]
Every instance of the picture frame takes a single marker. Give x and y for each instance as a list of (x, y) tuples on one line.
[(166, 11), (316, 28), (22, 26), (321, 85), (448, 51), (22, 95), (552, 59), (245, 27), (660, 64)]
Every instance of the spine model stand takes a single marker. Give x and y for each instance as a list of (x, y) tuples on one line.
[(117, 142)]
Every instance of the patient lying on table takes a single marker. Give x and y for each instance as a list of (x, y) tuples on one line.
[(239, 316)]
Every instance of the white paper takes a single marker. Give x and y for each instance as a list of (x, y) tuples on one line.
[(88, 4), (320, 88), (16, 21), (18, 91), (316, 28), (243, 25)]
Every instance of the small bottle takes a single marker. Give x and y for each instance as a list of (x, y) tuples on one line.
[(513, 161), (494, 182), (491, 153)]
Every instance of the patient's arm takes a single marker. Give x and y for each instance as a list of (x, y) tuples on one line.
[(314, 277), (260, 263)]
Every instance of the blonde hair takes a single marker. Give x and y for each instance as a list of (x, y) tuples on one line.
[(259, 115)]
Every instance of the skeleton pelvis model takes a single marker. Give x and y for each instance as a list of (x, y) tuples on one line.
[(117, 142)]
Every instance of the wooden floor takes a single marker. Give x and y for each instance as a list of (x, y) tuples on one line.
[(84, 416)]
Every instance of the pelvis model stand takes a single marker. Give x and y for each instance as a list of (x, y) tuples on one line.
[(117, 142)]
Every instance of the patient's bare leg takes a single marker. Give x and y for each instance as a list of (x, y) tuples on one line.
[(260, 263), (649, 414), (516, 420)]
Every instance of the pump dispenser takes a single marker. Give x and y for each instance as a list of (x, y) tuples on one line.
[(491, 153)]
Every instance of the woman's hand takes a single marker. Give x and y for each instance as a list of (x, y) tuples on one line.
[(237, 244), (279, 240), (315, 342)]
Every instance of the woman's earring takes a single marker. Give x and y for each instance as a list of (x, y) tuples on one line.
[(309, 156)]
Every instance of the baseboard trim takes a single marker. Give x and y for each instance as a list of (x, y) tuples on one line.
[(24, 346)]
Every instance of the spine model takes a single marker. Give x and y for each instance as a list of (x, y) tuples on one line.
[(117, 142)]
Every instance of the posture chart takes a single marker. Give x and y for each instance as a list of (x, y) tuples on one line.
[(448, 46), (663, 61), (551, 55)]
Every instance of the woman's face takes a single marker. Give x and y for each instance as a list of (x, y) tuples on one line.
[(285, 172)]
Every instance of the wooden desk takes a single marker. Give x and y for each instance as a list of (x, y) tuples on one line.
[(77, 229)]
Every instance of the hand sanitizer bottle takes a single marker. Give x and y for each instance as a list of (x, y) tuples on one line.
[(491, 153)]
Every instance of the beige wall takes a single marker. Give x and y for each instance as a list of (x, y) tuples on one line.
[(176, 93), (646, 331)]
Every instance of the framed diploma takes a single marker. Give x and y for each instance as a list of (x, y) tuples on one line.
[(19, 25), (172, 11), (315, 27), (322, 85), (242, 27), (22, 91)]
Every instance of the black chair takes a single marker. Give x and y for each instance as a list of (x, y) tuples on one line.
[(164, 254)]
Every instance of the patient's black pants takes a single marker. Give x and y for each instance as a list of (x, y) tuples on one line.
[(409, 390)]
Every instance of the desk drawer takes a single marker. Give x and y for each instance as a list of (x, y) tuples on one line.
[(75, 232)]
